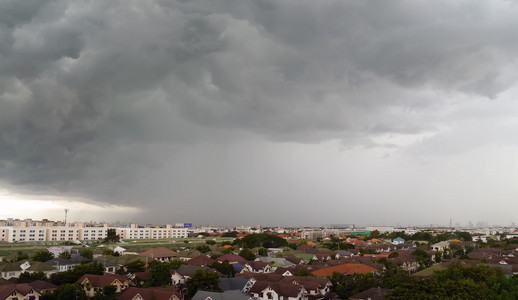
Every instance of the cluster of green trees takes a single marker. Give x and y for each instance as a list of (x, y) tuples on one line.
[(203, 248), (45, 255), (261, 240), (458, 282), (201, 280), (29, 277), (65, 292), (225, 268), (71, 276), (247, 254), (337, 244), (424, 236), (230, 234), (18, 256), (159, 272), (111, 236), (159, 275), (348, 285), (42, 255)]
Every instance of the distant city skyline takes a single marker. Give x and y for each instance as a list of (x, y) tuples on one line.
[(478, 224)]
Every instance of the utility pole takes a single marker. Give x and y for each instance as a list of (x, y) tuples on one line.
[(66, 213)]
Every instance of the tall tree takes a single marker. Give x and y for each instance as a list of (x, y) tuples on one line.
[(247, 254), (202, 280), (42, 255), (65, 254), (111, 236), (87, 253), (159, 275), (224, 268), (69, 292)]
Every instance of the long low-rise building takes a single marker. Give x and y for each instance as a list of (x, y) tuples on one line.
[(167, 232), (13, 234)]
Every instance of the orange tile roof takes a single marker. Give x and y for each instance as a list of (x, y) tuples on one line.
[(284, 235), (375, 241), (345, 269)]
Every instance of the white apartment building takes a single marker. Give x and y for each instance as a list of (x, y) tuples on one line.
[(93, 233), (79, 232), (12, 234), (23, 234), (134, 232)]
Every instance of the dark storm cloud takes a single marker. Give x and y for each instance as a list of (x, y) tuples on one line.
[(96, 95)]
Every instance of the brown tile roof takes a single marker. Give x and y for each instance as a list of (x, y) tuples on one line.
[(98, 281), (261, 276), (160, 252), (257, 265), (345, 269), (142, 275), (308, 282), (41, 285), (232, 258), (7, 290), (189, 270), (294, 259), (285, 289), (403, 258), (201, 260), (307, 249), (371, 294), (148, 293), (281, 270)]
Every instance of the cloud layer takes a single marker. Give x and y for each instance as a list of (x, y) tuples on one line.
[(135, 102)]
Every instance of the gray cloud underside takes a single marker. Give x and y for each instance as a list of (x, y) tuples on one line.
[(96, 95)]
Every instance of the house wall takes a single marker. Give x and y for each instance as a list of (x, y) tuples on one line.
[(11, 274), (19, 296)]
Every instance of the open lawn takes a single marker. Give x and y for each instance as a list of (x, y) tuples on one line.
[(98, 247)]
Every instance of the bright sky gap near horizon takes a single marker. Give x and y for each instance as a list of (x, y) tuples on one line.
[(294, 112)]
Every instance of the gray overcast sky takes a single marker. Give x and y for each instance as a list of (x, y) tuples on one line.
[(288, 112)]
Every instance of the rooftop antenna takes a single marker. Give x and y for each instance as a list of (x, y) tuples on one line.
[(66, 213)]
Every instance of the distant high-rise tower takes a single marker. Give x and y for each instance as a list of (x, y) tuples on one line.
[(66, 213), (451, 223)]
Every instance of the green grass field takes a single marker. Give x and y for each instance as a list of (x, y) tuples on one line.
[(130, 245)]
